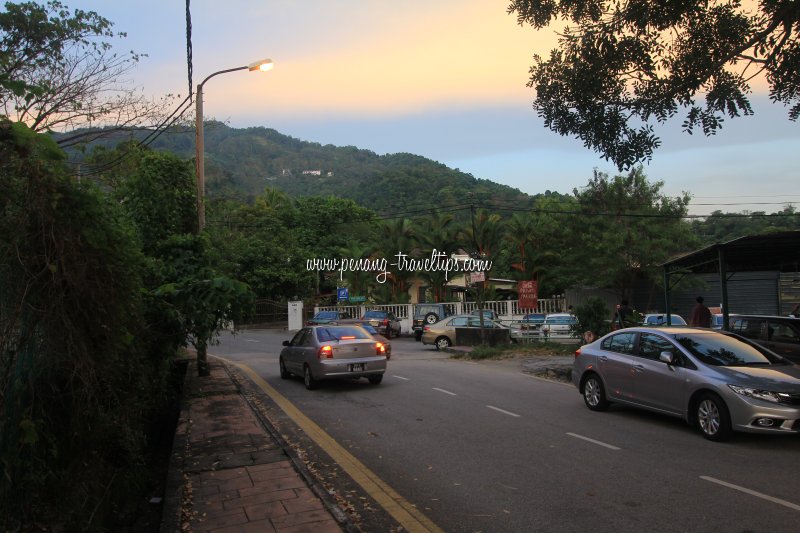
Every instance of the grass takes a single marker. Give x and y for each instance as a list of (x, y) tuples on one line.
[(511, 351)]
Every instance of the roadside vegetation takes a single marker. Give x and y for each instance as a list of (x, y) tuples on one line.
[(104, 275), (516, 351)]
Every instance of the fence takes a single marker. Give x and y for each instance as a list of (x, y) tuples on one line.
[(506, 310)]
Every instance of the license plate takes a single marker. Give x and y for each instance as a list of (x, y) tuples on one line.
[(356, 367)]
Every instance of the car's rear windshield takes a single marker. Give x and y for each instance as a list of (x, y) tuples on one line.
[(375, 314), (338, 333), (725, 350), (327, 314), (533, 318), (561, 320)]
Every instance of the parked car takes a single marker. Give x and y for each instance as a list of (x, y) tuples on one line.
[(720, 382), (559, 325), (778, 333), (716, 320), (325, 317), (660, 319), (442, 334), (427, 314), (531, 324), (371, 330), (383, 321), (331, 351)]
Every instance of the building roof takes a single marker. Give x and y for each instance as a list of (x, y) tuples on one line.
[(771, 251)]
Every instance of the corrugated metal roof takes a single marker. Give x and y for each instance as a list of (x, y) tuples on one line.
[(770, 251)]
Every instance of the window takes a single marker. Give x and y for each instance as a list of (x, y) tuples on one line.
[(621, 342), (782, 332), (748, 327), (458, 322), (651, 346)]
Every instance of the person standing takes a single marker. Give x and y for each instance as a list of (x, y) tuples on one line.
[(700, 316), (624, 315)]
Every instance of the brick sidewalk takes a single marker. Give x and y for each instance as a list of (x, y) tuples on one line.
[(228, 473)]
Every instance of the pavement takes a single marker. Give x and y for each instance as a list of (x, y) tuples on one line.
[(230, 472)]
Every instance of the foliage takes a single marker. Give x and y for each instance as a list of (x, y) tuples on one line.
[(57, 71), (593, 315), (624, 65), (204, 299), (78, 384), (241, 162), (722, 227), (160, 197), (624, 228), (513, 350)]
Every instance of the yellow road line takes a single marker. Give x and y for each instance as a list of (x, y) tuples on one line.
[(398, 507)]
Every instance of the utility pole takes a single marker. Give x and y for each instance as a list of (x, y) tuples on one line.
[(477, 255)]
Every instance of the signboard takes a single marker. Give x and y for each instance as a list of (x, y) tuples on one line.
[(475, 277), (356, 299), (342, 294), (528, 294)]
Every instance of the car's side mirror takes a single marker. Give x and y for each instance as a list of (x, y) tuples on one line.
[(667, 357), (286, 343)]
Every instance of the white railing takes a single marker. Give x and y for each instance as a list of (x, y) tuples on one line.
[(507, 310)]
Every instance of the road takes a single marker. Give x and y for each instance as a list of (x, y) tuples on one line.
[(486, 447)]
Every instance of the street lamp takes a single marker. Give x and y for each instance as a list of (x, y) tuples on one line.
[(262, 65)]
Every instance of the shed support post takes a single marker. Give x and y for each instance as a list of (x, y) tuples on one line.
[(723, 278)]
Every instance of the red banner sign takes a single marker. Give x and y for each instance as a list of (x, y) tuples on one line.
[(528, 294)]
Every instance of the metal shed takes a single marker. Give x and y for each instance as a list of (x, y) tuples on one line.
[(779, 251)]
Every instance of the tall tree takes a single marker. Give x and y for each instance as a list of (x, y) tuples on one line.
[(57, 71), (625, 227), (623, 65)]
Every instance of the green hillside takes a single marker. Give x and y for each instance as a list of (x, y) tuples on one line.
[(240, 163)]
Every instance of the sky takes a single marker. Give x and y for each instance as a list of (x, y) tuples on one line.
[(444, 79)]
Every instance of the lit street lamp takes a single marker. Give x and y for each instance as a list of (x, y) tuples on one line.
[(262, 65)]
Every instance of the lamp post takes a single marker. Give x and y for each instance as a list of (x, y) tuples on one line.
[(262, 65)]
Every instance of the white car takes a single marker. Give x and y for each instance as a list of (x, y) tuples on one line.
[(559, 326)]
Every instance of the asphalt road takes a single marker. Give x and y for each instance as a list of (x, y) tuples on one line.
[(486, 447)]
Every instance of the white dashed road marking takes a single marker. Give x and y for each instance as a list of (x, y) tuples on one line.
[(509, 413), (446, 391), (587, 439), (772, 499), (401, 377)]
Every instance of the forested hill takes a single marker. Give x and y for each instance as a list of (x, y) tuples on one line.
[(242, 162)]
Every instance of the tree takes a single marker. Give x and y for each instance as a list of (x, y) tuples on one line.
[(627, 64), (57, 72), (624, 228)]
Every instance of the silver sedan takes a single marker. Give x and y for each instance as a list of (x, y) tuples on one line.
[(322, 352), (718, 382)]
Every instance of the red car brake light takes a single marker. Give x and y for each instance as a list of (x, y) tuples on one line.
[(577, 353), (380, 349), (326, 352)]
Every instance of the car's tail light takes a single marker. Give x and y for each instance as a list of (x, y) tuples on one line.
[(326, 352), (577, 353), (385, 321), (380, 349), (426, 328)]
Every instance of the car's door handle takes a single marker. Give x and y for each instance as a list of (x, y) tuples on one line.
[(638, 368), (603, 359)]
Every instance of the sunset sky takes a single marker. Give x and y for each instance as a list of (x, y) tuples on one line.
[(445, 79)]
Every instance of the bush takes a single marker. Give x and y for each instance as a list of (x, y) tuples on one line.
[(592, 315)]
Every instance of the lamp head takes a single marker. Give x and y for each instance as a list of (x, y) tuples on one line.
[(262, 65)]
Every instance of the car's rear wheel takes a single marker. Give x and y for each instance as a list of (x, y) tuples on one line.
[(375, 379), (308, 379), (713, 418), (594, 393), (285, 374), (442, 343), (431, 318)]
